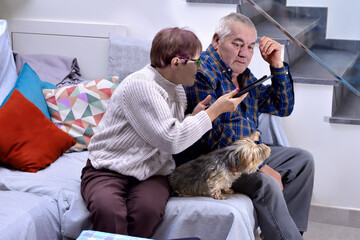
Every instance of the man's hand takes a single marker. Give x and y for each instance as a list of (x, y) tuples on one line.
[(272, 173), (271, 52)]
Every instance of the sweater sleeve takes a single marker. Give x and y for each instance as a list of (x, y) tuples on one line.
[(146, 107)]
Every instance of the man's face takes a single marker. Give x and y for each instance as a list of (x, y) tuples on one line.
[(237, 48)]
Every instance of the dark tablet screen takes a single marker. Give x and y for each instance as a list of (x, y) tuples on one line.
[(252, 85)]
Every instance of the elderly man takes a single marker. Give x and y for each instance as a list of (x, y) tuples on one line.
[(281, 190)]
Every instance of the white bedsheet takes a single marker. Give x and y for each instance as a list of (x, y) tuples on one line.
[(60, 182), (208, 219), (28, 216), (51, 202)]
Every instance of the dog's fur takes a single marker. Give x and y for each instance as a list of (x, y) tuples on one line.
[(212, 173)]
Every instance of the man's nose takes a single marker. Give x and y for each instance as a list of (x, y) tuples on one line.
[(243, 51)]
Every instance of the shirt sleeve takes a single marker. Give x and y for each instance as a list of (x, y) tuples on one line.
[(277, 98), (222, 132)]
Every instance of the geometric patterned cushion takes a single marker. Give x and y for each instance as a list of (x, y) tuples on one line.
[(79, 109)]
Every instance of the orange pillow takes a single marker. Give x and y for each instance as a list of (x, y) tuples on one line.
[(28, 140)]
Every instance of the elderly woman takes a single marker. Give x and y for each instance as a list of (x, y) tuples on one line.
[(124, 182)]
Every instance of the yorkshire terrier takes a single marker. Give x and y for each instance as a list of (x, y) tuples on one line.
[(214, 173)]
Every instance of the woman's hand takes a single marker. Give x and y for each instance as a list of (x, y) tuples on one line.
[(225, 103)]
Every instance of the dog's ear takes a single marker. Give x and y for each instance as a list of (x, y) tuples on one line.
[(255, 136), (251, 156)]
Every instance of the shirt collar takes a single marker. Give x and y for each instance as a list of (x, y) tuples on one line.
[(218, 62)]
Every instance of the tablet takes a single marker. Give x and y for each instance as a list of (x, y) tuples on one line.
[(252, 85)]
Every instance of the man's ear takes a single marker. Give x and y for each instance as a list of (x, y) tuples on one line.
[(215, 41)]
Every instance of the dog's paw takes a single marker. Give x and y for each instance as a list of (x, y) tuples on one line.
[(228, 191), (217, 195), (220, 197), (183, 195)]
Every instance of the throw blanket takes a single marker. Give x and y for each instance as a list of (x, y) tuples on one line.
[(272, 132), (58, 70)]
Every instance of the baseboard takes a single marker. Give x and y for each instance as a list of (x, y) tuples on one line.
[(335, 216)]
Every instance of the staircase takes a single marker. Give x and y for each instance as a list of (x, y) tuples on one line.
[(339, 59)]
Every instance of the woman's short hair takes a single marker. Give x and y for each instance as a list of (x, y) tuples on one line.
[(223, 27), (173, 42)]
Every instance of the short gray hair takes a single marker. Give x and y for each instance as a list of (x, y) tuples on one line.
[(223, 27)]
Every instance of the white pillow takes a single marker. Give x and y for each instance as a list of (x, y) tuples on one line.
[(8, 73)]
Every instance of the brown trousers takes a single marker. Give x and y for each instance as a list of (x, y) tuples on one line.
[(122, 204)]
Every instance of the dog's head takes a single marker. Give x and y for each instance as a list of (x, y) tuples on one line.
[(248, 155)]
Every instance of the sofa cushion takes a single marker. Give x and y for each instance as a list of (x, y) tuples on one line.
[(29, 84), (127, 55), (28, 140), (79, 109)]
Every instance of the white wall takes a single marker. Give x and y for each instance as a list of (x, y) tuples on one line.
[(144, 18), (336, 148)]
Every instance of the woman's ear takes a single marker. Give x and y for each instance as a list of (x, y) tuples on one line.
[(174, 62), (215, 41)]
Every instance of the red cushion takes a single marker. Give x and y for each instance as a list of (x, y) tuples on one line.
[(28, 140)]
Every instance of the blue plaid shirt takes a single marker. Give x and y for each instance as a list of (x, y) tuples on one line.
[(215, 78)]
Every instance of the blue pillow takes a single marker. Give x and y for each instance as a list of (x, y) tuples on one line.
[(30, 85), (47, 85)]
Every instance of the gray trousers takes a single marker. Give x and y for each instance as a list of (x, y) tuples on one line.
[(281, 214)]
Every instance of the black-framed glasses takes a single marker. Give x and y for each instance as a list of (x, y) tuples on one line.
[(198, 61)]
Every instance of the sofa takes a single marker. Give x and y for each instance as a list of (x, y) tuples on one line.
[(48, 114)]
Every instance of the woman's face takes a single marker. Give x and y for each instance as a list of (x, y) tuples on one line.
[(186, 70)]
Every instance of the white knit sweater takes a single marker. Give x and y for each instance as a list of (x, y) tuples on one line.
[(144, 125)]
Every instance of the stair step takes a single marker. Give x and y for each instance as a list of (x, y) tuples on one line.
[(295, 26), (348, 112), (304, 27), (353, 75), (307, 70), (214, 1)]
